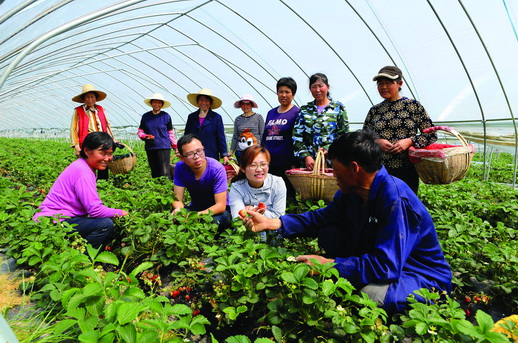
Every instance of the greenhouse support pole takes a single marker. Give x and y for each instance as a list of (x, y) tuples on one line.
[(59, 30), (15, 10)]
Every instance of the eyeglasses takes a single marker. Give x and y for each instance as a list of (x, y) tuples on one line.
[(190, 155), (263, 165)]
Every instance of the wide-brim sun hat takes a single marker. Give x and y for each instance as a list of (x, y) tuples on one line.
[(389, 72), (87, 88), (157, 96), (216, 102), (245, 98)]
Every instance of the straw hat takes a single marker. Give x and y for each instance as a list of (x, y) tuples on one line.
[(157, 96), (246, 98), (87, 89), (216, 102)]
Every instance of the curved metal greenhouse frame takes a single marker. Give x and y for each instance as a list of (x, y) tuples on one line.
[(458, 57)]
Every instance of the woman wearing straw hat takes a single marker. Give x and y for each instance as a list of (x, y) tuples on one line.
[(87, 118), (247, 120), (156, 130), (207, 124)]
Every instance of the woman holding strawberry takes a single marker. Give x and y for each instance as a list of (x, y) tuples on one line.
[(254, 189), (156, 129)]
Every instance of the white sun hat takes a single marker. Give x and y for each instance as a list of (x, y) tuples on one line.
[(157, 96), (246, 98)]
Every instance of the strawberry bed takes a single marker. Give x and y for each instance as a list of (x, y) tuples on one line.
[(165, 279)]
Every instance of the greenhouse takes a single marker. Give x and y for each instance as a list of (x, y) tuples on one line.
[(458, 59)]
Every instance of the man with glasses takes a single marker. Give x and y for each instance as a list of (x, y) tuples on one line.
[(206, 180)]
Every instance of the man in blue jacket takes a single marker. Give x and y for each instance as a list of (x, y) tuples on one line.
[(377, 232)]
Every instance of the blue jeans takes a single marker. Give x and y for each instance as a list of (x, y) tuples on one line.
[(94, 230)]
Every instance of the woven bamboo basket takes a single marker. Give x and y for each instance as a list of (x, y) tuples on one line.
[(125, 164), (232, 169), (316, 184), (445, 163)]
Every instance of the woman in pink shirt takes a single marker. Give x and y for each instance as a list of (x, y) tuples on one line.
[(74, 198)]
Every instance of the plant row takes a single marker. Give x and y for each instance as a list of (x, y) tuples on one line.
[(171, 279)]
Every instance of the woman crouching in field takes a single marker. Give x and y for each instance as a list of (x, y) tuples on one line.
[(74, 194)]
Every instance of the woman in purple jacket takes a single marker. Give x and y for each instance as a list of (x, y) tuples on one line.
[(156, 130), (74, 198)]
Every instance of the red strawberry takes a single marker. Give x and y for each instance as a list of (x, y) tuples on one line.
[(108, 248), (467, 299), (477, 300), (153, 278), (242, 213), (129, 280), (468, 312), (261, 206), (175, 294), (187, 289), (196, 312), (188, 297)]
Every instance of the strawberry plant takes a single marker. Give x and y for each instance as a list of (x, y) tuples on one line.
[(166, 278)]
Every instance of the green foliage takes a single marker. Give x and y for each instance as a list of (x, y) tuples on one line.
[(116, 294), (442, 320), (499, 167), (477, 224)]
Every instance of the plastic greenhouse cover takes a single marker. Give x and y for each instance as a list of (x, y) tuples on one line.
[(458, 57)]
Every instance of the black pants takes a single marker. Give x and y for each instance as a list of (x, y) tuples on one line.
[(103, 174), (407, 174), (159, 162)]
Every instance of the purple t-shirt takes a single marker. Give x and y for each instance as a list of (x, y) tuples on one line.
[(74, 194), (213, 181), (277, 137)]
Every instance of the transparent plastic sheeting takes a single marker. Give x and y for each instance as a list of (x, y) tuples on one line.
[(458, 57)]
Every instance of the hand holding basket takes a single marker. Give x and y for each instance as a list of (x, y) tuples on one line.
[(316, 184)]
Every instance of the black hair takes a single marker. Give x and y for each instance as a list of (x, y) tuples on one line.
[(319, 77), (97, 140), (288, 82), (95, 93), (208, 97), (186, 139), (359, 146)]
